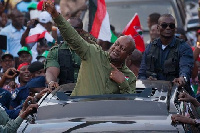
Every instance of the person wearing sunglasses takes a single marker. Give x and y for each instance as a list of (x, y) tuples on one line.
[(168, 57)]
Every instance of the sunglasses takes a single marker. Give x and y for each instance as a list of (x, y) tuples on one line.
[(165, 25)]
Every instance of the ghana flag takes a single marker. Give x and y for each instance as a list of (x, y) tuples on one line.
[(99, 24)]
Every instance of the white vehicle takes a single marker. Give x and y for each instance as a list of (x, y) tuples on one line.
[(149, 110)]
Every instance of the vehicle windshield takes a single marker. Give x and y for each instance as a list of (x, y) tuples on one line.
[(120, 13)]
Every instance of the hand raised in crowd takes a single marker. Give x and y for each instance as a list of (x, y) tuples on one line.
[(179, 81), (41, 94), (10, 73), (182, 119), (49, 6), (116, 75), (187, 98), (27, 107)]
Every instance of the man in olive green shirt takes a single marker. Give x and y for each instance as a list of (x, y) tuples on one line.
[(8, 125), (97, 75), (52, 59)]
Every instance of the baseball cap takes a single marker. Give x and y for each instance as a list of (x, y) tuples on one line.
[(6, 54), (44, 17), (26, 49), (32, 5), (35, 66), (44, 54)]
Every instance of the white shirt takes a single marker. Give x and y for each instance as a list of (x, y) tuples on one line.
[(13, 38)]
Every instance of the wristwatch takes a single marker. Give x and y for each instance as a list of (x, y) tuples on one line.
[(185, 78)]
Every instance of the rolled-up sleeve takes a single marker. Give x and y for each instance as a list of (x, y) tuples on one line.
[(75, 41)]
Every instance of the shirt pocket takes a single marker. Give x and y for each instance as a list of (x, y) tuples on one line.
[(111, 87)]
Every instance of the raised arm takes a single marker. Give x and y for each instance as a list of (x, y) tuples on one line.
[(75, 41), (30, 24)]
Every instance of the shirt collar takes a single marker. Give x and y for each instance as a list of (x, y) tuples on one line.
[(171, 44), (13, 29)]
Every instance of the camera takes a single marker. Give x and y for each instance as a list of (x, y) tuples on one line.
[(12, 73)]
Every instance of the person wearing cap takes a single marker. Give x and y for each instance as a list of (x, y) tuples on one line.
[(21, 93), (14, 32), (7, 77), (42, 58), (7, 81), (7, 61), (25, 55), (38, 82), (31, 76), (44, 24), (35, 84), (42, 46)]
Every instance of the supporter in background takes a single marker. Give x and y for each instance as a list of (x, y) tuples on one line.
[(42, 58), (7, 61), (153, 30), (153, 19), (20, 94), (154, 33), (44, 24), (25, 55), (133, 61), (14, 32)]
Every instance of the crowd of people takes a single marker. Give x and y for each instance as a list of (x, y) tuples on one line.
[(51, 49)]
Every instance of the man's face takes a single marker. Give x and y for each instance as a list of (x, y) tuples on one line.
[(18, 19), (25, 57), (7, 62), (24, 74), (120, 49), (166, 27), (154, 32)]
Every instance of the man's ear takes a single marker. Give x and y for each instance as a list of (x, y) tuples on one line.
[(128, 62)]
